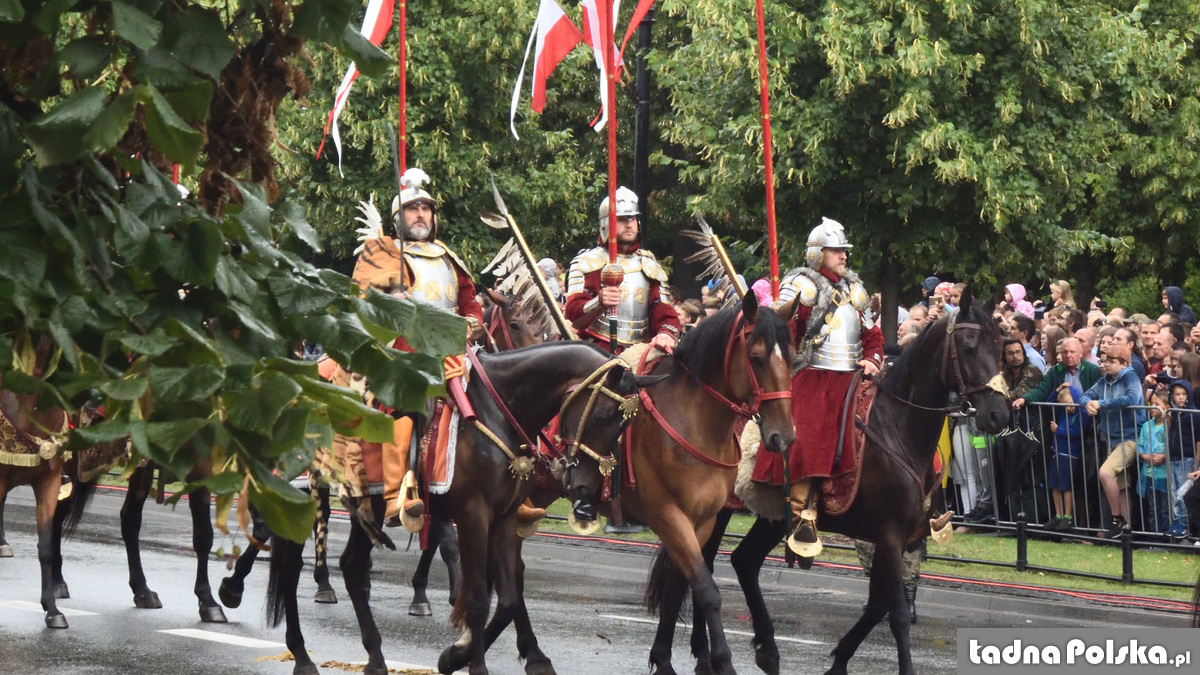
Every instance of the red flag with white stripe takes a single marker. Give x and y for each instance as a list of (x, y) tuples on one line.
[(555, 36), (376, 24)]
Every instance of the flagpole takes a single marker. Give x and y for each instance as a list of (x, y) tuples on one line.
[(768, 163), (612, 275), (402, 57)]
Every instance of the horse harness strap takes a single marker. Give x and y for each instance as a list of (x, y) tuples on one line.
[(521, 466), (489, 327), (899, 459), (595, 383), (683, 442), (837, 455)]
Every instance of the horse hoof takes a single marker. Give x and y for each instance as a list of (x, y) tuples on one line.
[(56, 621), (5, 551), (452, 660), (306, 669), (420, 609), (704, 668), (768, 663), (147, 600), (230, 597), (61, 592), (539, 668), (375, 669), (213, 614), (326, 596)]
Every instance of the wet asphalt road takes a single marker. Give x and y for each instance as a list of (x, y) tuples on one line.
[(584, 601)]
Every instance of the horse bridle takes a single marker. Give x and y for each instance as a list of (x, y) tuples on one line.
[(950, 358), (594, 384), (741, 330), (489, 327)]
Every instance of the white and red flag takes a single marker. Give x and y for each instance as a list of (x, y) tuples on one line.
[(554, 35), (375, 27)]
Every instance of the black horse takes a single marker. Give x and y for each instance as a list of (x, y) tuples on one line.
[(960, 353), (484, 493)]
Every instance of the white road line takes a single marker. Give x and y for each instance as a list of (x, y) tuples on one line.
[(37, 607), (213, 636), (638, 619)]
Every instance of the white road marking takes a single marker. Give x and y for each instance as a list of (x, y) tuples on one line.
[(37, 607), (224, 638), (638, 619)]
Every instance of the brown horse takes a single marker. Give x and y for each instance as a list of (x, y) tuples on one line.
[(484, 492), (684, 456), (958, 354), (23, 425)]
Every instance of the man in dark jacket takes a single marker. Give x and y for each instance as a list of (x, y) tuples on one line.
[(1172, 300)]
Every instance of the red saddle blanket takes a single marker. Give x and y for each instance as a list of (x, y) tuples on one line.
[(839, 490)]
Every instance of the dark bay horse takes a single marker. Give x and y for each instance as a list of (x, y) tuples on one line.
[(484, 492), (960, 353), (23, 424)]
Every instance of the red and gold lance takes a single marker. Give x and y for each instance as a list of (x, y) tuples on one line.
[(402, 57), (768, 163), (612, 275)]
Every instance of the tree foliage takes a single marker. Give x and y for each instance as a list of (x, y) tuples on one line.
[(181, 316)]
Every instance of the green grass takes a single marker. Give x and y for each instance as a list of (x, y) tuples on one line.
[(1155, 564)]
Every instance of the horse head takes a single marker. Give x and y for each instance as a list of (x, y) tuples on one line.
[(592, 420), (972, 361), (507, 327)]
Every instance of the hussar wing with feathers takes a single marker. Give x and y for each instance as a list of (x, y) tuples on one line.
[(718, 267), (514, 280), (372, 224)]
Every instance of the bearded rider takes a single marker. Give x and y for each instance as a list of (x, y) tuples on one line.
[(644, 309), (426, 271), (835, 339)]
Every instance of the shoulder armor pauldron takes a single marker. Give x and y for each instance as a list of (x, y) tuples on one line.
[(651, 268)]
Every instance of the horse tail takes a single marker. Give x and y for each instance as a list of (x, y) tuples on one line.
[(284, 555), (81, 496), (662, 572)]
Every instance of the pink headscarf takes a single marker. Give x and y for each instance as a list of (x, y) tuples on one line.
[(762, 291)]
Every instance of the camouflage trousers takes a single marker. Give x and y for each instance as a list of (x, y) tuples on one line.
[(910, 562)]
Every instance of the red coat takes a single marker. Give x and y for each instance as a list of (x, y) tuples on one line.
[(817, 400)]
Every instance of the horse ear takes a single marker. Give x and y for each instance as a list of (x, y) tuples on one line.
[(496, 297), (750, 307), (964, 303)]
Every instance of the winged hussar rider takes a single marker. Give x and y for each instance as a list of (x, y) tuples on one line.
[(834, 340), (431, 273), (644, 310)]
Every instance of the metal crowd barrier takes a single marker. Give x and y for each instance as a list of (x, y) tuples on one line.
[(1013, 470)]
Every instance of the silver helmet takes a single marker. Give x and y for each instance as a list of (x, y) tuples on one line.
[(829, 234), (627, 205), (412, 192)]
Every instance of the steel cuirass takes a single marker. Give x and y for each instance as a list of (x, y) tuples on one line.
[(633, 313), (842, 347), (435, 280)]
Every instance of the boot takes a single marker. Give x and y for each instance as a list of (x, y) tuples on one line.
[(528, 513), (910, 594), (396, 471), (410, 507), (804, 540)]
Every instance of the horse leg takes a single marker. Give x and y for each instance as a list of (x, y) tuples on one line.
[(450, 556), (356, 572), (674, 590), (420, 579), (536, 661), (46, 489), (504, 554), (681, 540), (471, 609), (699, 629), (131, 529), (747, 560), (231, 588), (886, 597), (5, 549), (286, 565), (56, 536), (202, 540), (325, 593)]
